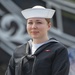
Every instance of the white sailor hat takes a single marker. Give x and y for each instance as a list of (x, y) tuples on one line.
[(38, 11)]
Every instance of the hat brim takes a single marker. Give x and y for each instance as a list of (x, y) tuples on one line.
[(42, 13)]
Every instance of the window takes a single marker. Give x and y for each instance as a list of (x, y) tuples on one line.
[(54, 19), (71, 1), (68, 20)]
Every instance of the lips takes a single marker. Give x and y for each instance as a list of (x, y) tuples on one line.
[(34, 31)]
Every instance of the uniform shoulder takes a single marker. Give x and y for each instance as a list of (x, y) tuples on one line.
[(20, 50), (57, 44)]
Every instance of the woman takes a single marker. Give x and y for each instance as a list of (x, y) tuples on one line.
[(40, 55)]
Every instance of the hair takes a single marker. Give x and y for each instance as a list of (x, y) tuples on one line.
[(47, 19)]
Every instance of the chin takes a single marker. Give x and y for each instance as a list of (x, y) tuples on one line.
[(35, 37)]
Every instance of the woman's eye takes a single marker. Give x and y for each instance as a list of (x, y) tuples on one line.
[(39, 22), (30, 23)]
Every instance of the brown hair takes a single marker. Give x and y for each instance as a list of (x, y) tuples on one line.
[(47, 19)]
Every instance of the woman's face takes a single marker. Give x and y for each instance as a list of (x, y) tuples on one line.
[(37, 27)]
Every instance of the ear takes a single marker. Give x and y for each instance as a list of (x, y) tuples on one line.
[(49, 26)]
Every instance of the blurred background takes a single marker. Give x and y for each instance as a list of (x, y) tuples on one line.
[(13, 27)]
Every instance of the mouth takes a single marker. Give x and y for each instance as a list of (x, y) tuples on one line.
[(34, 32)]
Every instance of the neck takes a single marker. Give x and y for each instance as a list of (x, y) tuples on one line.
[(38, 41)]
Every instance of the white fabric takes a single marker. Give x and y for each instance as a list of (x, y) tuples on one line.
[(35, 47), (38, 11)]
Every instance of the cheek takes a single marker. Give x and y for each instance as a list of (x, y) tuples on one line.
[(44, 28), (28, 28)]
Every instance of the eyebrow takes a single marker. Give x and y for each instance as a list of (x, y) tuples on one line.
[(38, 20), (35, 20)]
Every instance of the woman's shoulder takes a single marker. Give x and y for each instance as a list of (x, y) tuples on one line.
[(57, 44), (20, 50)]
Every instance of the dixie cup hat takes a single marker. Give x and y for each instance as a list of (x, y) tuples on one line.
[(38, 11)]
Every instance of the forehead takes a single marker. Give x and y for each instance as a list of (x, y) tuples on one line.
[(36, 19)]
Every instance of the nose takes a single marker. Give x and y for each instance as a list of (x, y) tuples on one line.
[(34, 26)]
